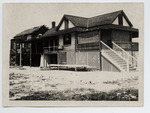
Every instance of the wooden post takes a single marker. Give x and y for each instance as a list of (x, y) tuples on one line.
[(43, 56), (100, 48), (87, 58), (15, 53), (20, 54), (131, 47), (67, 57), (75, 48), (58, 59), (30, 54), (76, 56)]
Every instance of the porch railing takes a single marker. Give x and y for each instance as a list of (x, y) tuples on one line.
[(132, 60), (112, 54), (128, 46), (50, 49)]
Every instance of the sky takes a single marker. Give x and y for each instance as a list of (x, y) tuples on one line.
[(21, 16)]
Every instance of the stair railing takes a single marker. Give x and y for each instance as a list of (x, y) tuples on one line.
[(106, 49), (131, 60)]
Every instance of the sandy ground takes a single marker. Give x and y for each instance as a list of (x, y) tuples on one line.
[(22, 82)]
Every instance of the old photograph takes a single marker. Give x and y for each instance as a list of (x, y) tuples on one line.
[(73, 54)]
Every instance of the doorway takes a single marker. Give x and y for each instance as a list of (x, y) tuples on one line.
[(106, 37), (53, 59)]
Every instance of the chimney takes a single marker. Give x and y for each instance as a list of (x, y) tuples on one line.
[(53, 24)]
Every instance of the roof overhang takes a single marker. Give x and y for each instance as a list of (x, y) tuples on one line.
[(134, 31), (65, 31)]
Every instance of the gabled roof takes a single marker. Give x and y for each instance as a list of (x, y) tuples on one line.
[(30, 31), (94, 21), (106, 19), (75, 20), (84, 24), (53, 32), (50, 31)]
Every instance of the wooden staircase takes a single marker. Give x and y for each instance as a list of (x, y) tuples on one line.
[(121, 61)]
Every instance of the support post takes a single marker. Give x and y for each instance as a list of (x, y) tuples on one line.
[(20, 54), (15, 53), (58, 59), (75, 48), (100, 48), (43, 56), (30, 54), (76, 57), (87, 58), (131, 47)]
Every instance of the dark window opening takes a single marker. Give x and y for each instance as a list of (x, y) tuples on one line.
[(67, 39)]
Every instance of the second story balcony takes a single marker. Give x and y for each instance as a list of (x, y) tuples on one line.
[(128, 46), (51, 49)]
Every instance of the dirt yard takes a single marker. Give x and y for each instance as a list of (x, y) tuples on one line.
[(35, 84)]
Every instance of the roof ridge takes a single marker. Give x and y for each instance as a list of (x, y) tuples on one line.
[(33, 28), (107, 13), (76, 16)]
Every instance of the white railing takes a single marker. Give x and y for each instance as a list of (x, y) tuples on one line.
[(109, 51), (50, 48), (132, 60)]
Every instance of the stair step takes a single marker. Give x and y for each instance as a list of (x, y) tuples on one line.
[(132, 69), (122, 62), (117, 58)]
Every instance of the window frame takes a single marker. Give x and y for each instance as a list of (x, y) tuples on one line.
[(67, 42)]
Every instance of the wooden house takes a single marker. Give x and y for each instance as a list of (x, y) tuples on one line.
[(26, 48), (103, 42)]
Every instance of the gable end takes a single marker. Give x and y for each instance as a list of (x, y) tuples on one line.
[(122, 20)]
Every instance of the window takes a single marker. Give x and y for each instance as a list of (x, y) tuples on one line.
[(67, 39)]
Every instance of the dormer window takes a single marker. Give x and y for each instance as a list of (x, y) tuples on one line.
[(67, 39)]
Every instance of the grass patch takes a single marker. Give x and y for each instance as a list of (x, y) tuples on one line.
[(84, 95)]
